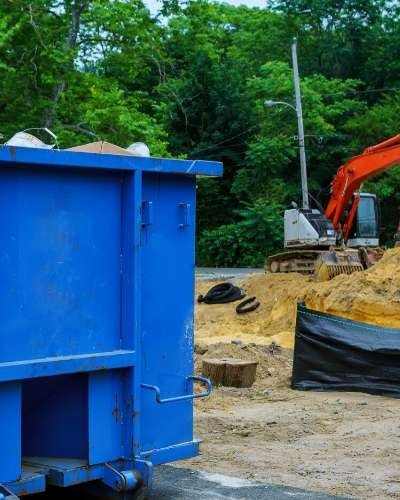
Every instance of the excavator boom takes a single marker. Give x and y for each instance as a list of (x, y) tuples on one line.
[(351, 175)]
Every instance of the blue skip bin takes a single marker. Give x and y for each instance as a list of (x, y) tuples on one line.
[(96, 319)]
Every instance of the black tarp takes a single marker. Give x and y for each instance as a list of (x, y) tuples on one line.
[(337, 354)]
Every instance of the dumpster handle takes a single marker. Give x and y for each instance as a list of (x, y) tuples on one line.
[(203, 380)]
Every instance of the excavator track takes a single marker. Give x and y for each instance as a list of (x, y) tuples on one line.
[(293, 261), (324, 264)]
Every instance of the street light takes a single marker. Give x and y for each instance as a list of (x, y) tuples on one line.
[(271, 104), (299, 113)]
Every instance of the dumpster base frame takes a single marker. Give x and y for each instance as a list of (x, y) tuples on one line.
[(37, 472), (125, 477)]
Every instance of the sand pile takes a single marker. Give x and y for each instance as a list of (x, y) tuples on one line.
[(372, 296), (272, 321)]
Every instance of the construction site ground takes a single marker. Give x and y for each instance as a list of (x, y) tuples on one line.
[(345, 444)]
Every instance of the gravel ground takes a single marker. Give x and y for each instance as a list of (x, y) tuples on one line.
[(338, 443)]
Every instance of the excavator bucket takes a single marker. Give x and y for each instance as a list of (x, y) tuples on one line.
[(337, 261)]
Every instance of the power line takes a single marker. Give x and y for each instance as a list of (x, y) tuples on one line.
[(352, 92), (225, 140), (284, 147), (368, 91)]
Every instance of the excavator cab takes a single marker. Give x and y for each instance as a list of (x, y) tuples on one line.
[(365, 229)]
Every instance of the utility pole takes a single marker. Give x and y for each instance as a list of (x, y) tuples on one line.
[(299, 112)]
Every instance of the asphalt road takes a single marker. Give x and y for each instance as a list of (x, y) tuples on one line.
[(173, 483), (226, 273), (185, 484)]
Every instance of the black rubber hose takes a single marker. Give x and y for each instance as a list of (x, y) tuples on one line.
[(222, 294), (242, 309)]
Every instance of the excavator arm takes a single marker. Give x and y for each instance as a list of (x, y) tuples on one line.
[(351, 175)]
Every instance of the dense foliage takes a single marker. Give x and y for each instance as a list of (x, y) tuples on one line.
[(192, 81)]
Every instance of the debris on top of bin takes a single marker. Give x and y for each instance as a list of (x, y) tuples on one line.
[(139, 149), (25, 140), (105, 147)]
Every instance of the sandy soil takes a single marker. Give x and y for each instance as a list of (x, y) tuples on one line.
[(339, 443), (371, 296)]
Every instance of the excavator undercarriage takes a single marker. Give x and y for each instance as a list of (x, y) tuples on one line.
[(324, 264)]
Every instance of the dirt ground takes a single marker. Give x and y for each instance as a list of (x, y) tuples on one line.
[(340, 443), (372, 296)]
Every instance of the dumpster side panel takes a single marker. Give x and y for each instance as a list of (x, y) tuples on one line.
[(167, 308), (60, 261), (61, 296)]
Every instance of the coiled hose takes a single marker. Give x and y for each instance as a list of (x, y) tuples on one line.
[(222, 294)]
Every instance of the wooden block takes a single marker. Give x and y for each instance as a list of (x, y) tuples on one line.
[(214, 369), (230, 372), (240, 373)]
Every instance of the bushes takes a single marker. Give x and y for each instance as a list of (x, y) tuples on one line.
[(247, 242)]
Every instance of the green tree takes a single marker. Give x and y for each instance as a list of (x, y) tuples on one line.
[(81, 68), (212, 49), (272, 155), (339, 37)]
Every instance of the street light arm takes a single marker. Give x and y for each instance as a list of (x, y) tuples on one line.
[(270, 104)]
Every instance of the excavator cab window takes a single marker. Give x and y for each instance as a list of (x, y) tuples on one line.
[(367, 217)]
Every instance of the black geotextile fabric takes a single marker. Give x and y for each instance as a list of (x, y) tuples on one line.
[(336, 354)]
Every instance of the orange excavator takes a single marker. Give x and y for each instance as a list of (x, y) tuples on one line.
[(345, 238)]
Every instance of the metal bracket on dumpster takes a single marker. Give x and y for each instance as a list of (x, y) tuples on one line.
[(6, 494), (125, 480), (147, 213), (184, 214), (202, 380)]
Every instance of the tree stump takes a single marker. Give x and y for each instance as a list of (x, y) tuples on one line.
[(230, 372)]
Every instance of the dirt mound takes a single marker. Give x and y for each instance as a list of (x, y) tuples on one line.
[(372, 296)]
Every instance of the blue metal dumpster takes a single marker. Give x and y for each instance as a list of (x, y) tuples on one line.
[(96, 319)]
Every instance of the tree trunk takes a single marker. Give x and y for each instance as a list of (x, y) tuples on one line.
[(230, 372), (71, 41)]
